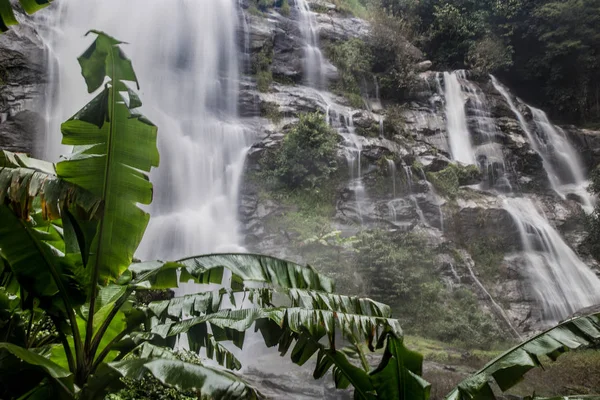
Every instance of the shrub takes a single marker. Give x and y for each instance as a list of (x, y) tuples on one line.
[(307, 155), (396, 57), (285, 8), (271, 111), (448, 180), (261, 67), (400, 268), (353, 59), (490, 54)]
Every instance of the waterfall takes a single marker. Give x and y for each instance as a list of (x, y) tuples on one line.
[(185, 54), (458, 131), (561, 281), (561, 161), (313, 57), (392, 172)]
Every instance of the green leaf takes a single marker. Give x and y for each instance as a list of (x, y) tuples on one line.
[(63, 377), (509, 368), (7, 17), (31, 6), (36, 263), (398, 374), (246, 269), (23, 178), (210, 381), (113, 152)]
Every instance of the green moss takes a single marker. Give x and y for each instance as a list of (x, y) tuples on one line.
[(370, 131), (394, 123), (445, 181), (448, 180)]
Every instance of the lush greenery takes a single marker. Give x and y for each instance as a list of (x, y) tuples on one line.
[(354, 61), (548, 49), (448, 180), (399, 272), (306, 157), (261, 67)]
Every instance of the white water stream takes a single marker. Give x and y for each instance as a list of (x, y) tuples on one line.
[(313, 57), (561, 281), (185, 54), (458, 131), (561, 161)]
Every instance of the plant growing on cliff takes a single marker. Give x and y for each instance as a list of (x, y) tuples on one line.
[(307, 155), (7, 15), (353, 59), (68, 233)]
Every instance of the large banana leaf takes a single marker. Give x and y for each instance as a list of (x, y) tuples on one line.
[(114, 150), (23, 178), (246, 269), (209, 382), (7, 16), (35, 257), (509, 368), (62, 379)]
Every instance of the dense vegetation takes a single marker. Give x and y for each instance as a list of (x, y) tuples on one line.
[(549, 50)]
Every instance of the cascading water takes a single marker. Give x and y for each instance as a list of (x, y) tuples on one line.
[(458, 131), (487, 151), (561, 161), (185, 54), (313, 57), (561, 281)]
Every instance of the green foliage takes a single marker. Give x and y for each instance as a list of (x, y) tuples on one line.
[(448, 180), (261, 67), (306, 157), (400, 270), (148, 388), (271, 111), (56, 253), (285, 8), (546, 48), (353, 59), (489, 54), (395, 56), (7, 16)]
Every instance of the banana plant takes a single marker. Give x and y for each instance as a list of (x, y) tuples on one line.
[(68, 233), (7, 15), (509, 368)]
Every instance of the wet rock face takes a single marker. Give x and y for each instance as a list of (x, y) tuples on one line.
[(22, 84)]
